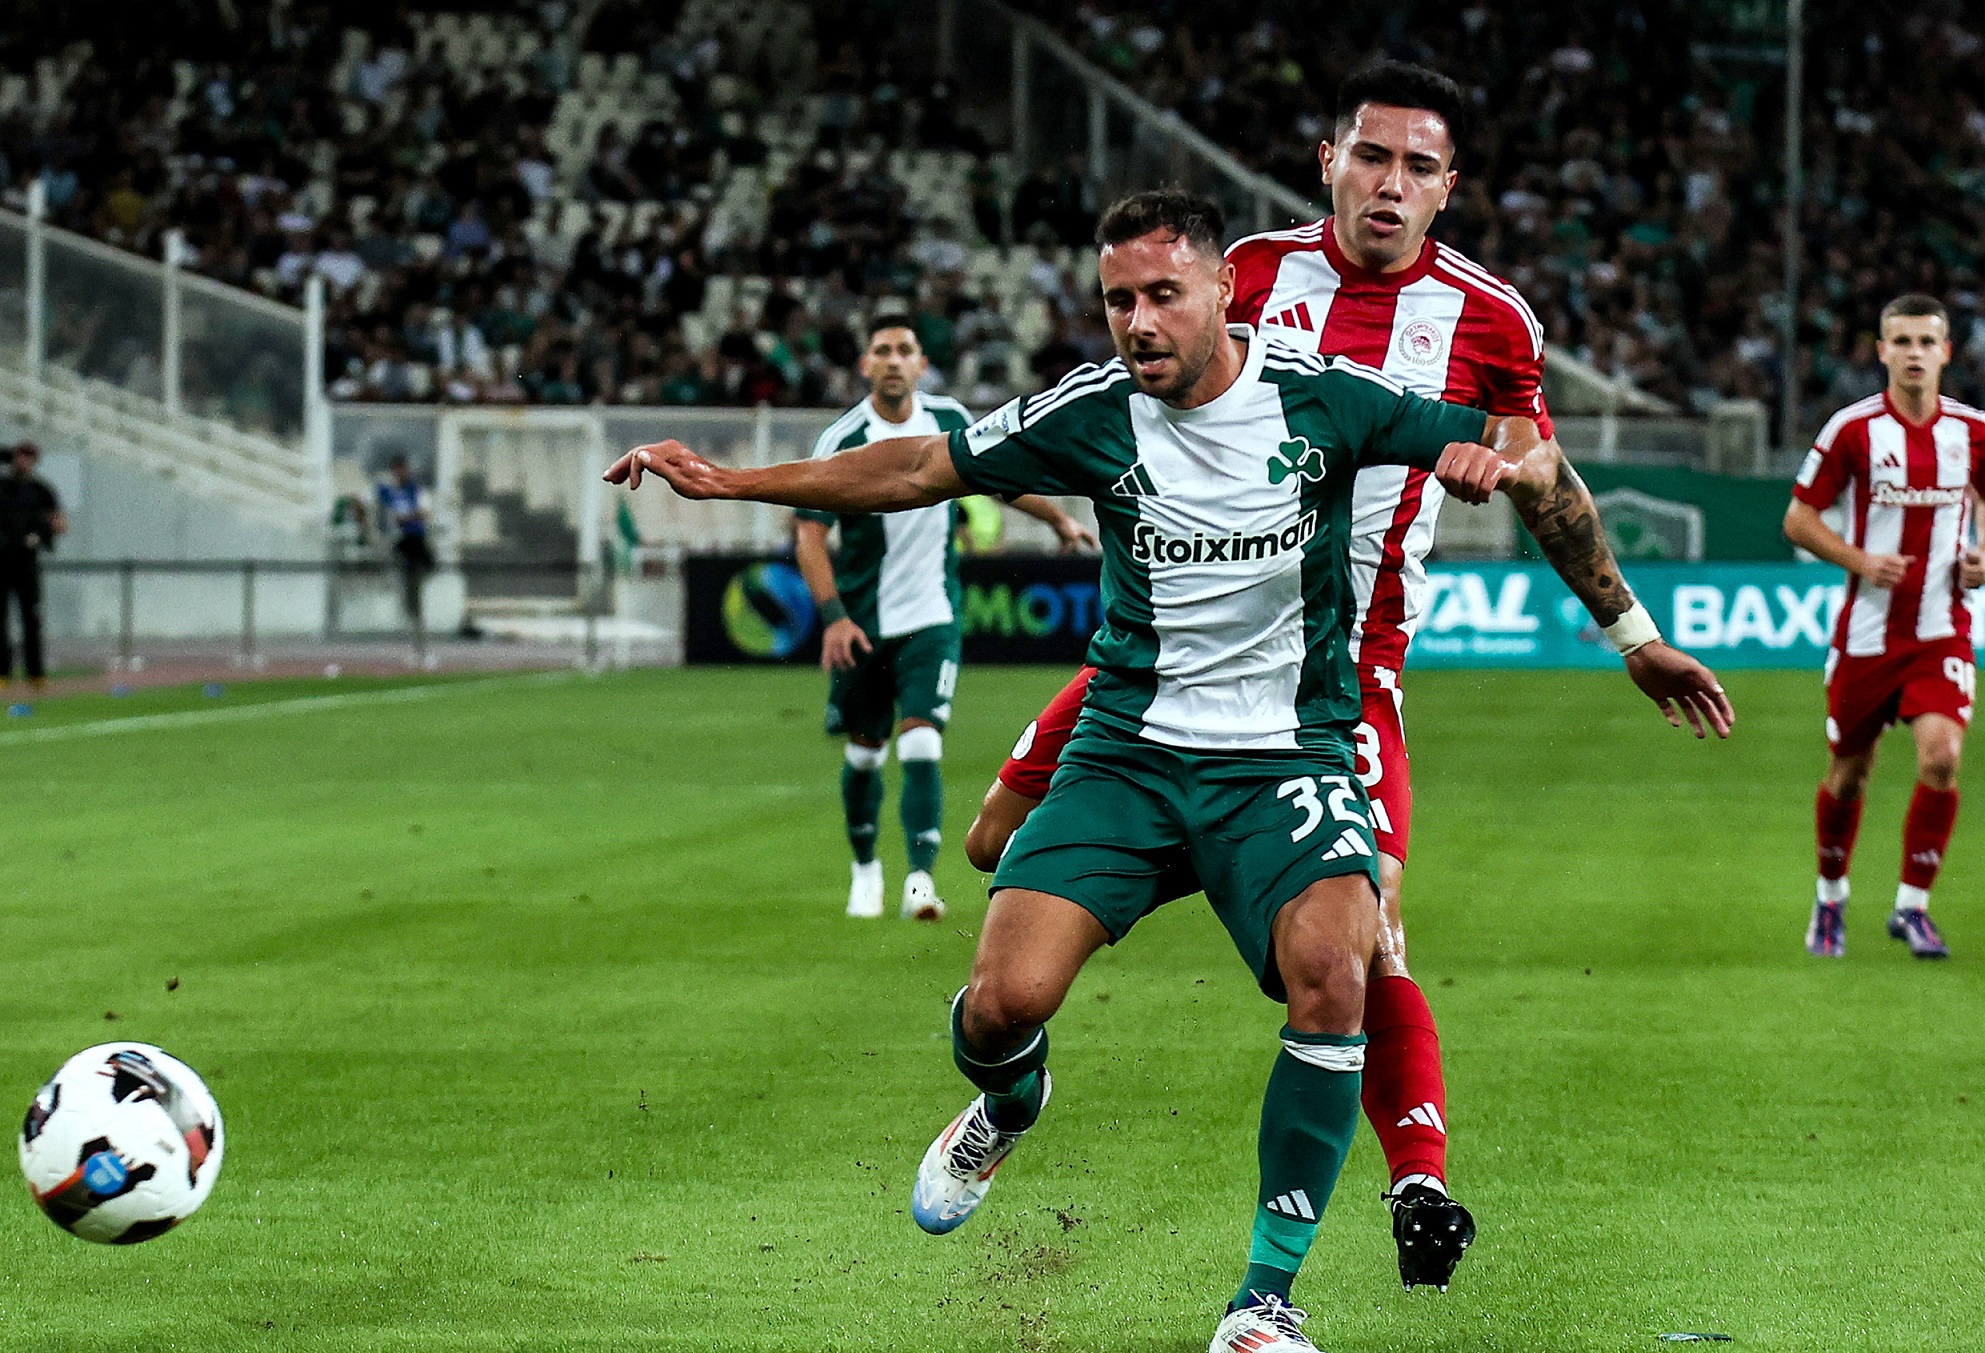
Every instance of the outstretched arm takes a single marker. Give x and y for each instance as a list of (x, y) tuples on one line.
[(1558, 511), (885, 476)]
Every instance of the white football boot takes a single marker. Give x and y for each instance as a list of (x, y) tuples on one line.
[(865, 891), (920, 899), (958, 1169), (1272, 1327)]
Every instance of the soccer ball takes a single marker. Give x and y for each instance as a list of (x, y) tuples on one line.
[(123, 1144)]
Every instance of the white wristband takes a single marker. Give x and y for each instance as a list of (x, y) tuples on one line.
[(1634, 630)]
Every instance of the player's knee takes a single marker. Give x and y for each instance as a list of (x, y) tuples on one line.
[(920, 742), (1937, 767), (1326, 985), (1000, 1005), (866, 758), (1846, 777)]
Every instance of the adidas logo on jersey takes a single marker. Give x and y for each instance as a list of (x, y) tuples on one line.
[(1298, 458), (1296, 316), (1134, 483), (1149, 545), (1426, 1115), (1349, 844), (1295, 1203)]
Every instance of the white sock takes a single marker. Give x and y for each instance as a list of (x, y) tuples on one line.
[(1911, 899), (1834, 890), (1425, 1180)]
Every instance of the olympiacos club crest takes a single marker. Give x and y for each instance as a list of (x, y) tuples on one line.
[(1422, 343)]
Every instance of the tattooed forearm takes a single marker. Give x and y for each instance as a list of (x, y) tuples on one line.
[(1566, 524)]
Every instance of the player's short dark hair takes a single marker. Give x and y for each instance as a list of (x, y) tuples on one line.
[(1914, 304), (1402, 84), (1193, 216), (894, 319)]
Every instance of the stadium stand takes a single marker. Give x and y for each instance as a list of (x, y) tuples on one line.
[(546, 203), (695, 203)]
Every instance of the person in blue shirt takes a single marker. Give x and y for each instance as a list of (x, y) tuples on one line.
[(403, 514)]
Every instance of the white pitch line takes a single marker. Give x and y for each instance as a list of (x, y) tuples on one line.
[(188, 718)]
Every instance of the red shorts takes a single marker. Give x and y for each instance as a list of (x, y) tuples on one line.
[(1382, 765), (1865, 696)]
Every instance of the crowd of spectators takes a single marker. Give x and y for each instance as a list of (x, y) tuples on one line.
[(1624, 163), (1622, 168), (408, 185)]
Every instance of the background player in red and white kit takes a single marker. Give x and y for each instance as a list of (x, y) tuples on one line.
[(1367, 283), (1908, 461)]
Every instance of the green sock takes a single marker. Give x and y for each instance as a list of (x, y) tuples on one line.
[(1308, 1119), (861, 800), (923, 811), (1012, 1084)]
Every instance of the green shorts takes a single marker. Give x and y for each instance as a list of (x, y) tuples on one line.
[(912, 676), (1123, 821)]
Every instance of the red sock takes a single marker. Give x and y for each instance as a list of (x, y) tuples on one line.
[(1404, 1095), (1925, 833), (1836, 822)]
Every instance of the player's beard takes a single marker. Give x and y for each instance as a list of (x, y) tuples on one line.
[(1192, 363)]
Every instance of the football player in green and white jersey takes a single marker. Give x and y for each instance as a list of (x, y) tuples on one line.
[(889, 602), (1219, 730)]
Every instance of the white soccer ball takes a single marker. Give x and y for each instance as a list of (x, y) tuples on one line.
[(123, 1144)]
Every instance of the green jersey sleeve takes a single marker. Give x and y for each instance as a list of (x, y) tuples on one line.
[(1054, 442), (1384, 423)]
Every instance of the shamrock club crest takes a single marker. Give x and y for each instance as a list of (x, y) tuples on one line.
[(1295, 457)]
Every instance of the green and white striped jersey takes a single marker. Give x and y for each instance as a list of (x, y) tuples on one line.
[(1227, 596), (898, 571)]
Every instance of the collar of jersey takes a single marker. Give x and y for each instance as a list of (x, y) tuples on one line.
[(1894, 411), (1351, 272), (875, 415), (1229, 398)]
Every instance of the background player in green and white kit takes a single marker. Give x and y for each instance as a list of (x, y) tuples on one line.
[(890, 606), (1219, 730)]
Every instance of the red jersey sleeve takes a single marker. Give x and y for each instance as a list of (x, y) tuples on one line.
[(1038, 752), (1828, 467), (1518, 389), (1255, 264)]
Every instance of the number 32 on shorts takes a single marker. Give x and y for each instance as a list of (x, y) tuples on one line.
[(1340, 798)]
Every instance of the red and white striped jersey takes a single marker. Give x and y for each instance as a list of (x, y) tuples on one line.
[(1905, 488), (1446, 328)]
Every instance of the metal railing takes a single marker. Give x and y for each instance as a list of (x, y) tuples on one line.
[(144, 359), (533, 474)]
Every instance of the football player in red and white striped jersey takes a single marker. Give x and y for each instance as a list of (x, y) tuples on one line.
[(1908, 463), (1369, 284)]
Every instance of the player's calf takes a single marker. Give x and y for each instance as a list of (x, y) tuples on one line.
[(920, 747), (957, 1170), (1405, 1099), (1926, 834), (861, 805)]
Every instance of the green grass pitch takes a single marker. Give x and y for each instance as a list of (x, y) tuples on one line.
[(537, 1026)]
